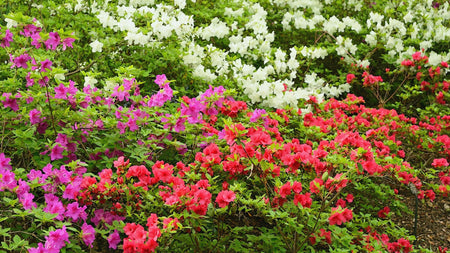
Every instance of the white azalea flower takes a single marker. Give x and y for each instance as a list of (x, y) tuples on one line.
[(96, 46)]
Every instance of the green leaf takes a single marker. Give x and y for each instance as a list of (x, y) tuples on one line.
[(4, 232)]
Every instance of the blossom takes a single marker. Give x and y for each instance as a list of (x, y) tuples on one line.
[(46, 65), (88, 234), (349, 198), (122, 91), (402, 245), (76, 212), (327, 235), (56, 239), (35, 116), (36, 40), (224, 198), (384, 212), (8, 180), (53, 41), (54, 206), (67, 42), (171, 223), (56, 152), (96, 46), (257, 114), (304, 200), (61, 91), (114, 239), (162, 172), (8, 37), (285, 189), (72, 190), (339, 215), (4, 162), (10, 102), (22, 60), (316, 185), (297, 187), (160, 80), (407, 63), (441, 162)]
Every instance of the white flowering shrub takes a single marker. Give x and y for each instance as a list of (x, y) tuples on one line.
[(275, 52)]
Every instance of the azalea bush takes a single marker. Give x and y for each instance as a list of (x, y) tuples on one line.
[(257, 48), (102, 151)]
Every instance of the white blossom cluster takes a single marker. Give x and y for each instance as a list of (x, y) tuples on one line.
[(245, 27), (420, 22)]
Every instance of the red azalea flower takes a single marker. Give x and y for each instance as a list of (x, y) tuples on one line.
[(224, 198), (384, 212)]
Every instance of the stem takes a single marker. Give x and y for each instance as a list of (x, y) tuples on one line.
[(347, 52), (398, 88), (415, 219), (194, 238), (82, 69), (285, 239), (322, 208)]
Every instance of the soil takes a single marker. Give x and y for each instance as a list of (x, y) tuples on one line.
[(433, 221)]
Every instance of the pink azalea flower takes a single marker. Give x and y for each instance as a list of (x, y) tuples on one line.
[(88, 234), (57, 239), (35, 116), (10, 102), (53, 41), (46, 65), (76, 212), (160, 79), (56, 152), (22, 60), (5, 42), (4, 162), (67, 42), (61, 91), (27, 201), (114, 239)]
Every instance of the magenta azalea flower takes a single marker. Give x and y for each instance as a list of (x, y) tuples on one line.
[(56, 152), (114, 239), (88, 234), (56, 240), (53, 40), (35, 116), (47, 64), (4, 162)]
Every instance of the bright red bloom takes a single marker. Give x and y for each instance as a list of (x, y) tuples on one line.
[(442, 162), (326, 235), (339, 215), (315, 185), (304, 199), (162, 171), (350, 78), (285, 189), (384, 212), (402, 245), (341, 203), (407, 63), (349, 198), (297, 187), (224, 198)]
